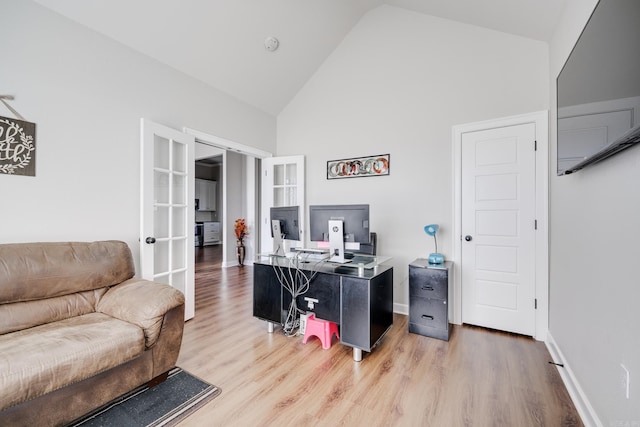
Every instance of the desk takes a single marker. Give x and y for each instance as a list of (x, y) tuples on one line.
[(359, 300)]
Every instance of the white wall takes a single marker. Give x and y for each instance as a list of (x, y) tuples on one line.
[(397, 84), (87, 94), (236, 206), (594, 286)]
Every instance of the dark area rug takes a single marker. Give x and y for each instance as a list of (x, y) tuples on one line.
[(163, 405)]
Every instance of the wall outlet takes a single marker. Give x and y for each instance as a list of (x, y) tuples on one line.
[(303, 323), (625, 380), (311, 302)]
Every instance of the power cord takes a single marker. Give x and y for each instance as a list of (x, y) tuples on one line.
[(296, 282)]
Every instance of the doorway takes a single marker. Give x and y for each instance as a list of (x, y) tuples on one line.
[(209, 207), (208, 259), (537, 124), (238, 190)]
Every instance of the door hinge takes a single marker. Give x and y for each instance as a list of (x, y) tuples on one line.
[(535, 224), (535, 303)]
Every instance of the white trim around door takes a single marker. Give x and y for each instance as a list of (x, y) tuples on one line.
[(541, 121), (245, 204), (227, 144)]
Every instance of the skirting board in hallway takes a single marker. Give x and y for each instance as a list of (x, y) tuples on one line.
[(580, 400)]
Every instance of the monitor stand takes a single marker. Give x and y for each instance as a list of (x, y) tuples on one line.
[(336, 242), (278, 248)]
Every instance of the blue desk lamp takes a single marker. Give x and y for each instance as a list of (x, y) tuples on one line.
[(432, 230)]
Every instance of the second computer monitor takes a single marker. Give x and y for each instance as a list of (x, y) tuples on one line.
[(339, 224), (289, 218), (285, 225), (355, 221)]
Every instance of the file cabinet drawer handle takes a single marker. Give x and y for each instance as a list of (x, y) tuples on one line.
[(426, 316), (427, 288)]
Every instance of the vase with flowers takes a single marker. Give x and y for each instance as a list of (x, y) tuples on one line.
[(241, 230)]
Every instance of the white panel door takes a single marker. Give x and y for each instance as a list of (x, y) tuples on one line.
[(282, 185), (167, 204), (498, 228)]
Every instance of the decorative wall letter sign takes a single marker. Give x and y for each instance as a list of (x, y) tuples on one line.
[(17, 147)]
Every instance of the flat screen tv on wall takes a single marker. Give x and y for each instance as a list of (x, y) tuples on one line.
[(598, 88)]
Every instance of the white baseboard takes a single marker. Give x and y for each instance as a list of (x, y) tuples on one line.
[(580, 400), (234, 263), (401, 308)]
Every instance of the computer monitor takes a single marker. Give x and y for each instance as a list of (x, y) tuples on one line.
[(285, 225), (338, 224)]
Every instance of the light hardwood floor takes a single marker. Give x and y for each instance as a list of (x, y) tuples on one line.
[(478, 378)]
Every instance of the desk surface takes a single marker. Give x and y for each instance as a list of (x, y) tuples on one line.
[(367, 271)]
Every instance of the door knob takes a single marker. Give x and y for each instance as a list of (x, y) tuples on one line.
[(150, 240), (467, 238)]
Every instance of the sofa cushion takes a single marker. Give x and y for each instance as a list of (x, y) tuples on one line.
[(30, 271), (38, 360), (27, 314)]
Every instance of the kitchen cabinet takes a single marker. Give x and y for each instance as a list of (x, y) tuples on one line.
[(211, 233), (205, 192)]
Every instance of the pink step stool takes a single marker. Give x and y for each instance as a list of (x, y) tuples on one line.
[(322, 329)]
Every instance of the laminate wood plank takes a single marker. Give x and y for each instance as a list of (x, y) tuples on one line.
[(479, 377)]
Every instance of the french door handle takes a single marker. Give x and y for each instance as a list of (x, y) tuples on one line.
[(150, 240)]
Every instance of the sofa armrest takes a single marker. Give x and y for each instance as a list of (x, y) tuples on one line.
[(141, 302)]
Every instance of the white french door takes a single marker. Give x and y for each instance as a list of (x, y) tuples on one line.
[(282, 185), (167, 209), (498, 228)]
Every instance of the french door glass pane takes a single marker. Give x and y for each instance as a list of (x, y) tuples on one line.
[(161, 152), (292, 174), (179, 157), (278, 197), (161, 258), (178, 221), (178, 280), (179, 190), (160, 187), (290, 196), (177, 258), (278, 175), (161, 222)]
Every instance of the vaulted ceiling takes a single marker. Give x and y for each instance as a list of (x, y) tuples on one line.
[(221, 42)]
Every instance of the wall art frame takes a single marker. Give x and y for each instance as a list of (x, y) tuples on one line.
[(359, 167), (17, 147)]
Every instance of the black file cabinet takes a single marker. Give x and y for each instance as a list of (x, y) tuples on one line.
[(429, 298)]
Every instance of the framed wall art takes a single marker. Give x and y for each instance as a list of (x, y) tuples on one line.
[(17, 147), (358, 167)]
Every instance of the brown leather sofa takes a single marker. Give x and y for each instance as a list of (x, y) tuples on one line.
[(77, 330)]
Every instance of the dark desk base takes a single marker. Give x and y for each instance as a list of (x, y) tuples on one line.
[(361, 304)]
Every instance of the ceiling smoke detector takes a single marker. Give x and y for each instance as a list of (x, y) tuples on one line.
[(271, 43)]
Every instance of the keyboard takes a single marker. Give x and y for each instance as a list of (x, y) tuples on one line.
[(313, 251), (305, 256), (361, 259)]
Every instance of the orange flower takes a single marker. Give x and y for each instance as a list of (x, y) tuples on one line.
[(241, 228)]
